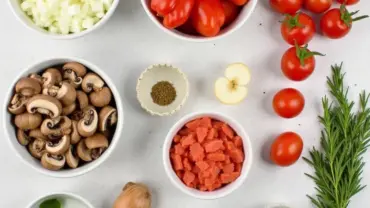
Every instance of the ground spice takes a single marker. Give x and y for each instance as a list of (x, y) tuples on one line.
[(163, 93)]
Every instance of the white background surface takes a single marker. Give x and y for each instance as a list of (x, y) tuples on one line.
[(127, 45)]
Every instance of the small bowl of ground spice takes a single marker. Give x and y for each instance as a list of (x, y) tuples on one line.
[(162, 89)]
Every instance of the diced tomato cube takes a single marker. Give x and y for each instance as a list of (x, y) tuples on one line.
[(193, 125), (229, 132), (197, 152), (201, 133)]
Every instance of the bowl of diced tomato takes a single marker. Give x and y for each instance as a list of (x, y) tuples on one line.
[(199, 20), (207, 155)]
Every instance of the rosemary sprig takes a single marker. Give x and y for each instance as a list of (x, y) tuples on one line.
[(345, 137)]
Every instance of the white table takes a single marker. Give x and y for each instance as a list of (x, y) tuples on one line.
[(126, 46)]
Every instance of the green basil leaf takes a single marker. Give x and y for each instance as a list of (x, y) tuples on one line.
[(51, 203)]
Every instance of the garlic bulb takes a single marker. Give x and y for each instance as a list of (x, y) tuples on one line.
[(134, 195)]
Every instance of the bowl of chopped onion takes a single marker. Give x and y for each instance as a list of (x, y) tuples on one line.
[(63, 19)]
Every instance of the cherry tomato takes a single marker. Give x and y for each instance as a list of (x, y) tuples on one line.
[(336, 23), (298, 63), (187, 28), (298, 29), (239, 2), (163, 7), (348, 2), (318, 6), (286, 6), (179, 15), (288, 103), (231, 11), (208, 17), (286, 149)]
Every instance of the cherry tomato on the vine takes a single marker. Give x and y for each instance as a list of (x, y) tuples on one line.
[(336, 23), (298, 63), (288, 103), (298, 29), (318, 6), (286, 149), (286, 6), (348, 2)]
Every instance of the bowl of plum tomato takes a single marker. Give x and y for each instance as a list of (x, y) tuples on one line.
[(199, 21), (207, 155)]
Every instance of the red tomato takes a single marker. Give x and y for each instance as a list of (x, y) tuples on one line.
[(298, 63), (318, 6), (298, 29), (231, 11), (208, 17), (286, 6), (336, 23), (288, 103), (286, 149), (163, 7), (179, 15), (239, 2), (187, 28), (348, 2)]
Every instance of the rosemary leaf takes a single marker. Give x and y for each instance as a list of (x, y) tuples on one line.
[(345, 137)]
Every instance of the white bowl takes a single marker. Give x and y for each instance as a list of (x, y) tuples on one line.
[(67, 199), (224, 191), (157, 73), (244, 14), (22, 151), (27, 22)]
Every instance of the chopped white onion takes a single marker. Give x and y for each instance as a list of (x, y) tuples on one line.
[(65, 16)]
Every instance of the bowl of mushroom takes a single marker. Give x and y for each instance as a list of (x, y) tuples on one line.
[(64, 117)]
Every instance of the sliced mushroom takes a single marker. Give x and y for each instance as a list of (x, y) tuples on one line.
[(28, 121), (22, 137), (97, 143), (37, 148), (75, 136), (27, 87), (108, 133), (51, 77), (57, 127), (37, 134), (83, 152), (107, 117), (74, 67), (59, 147), (44, 104), (72, 158), (52, 162), (38, 78), (88, 124), (69, 109), (17, 104), (77, 115), (92, 82), (65, 92), (82, 99), (74, 72), (101, 98)]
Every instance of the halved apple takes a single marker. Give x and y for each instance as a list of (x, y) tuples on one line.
[(232, 89), (228, 92), (238, 73)]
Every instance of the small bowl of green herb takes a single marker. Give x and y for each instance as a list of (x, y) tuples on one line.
[(60, 200), (162, 89)]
